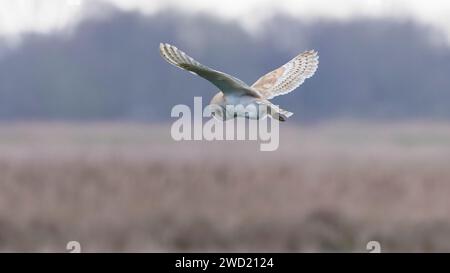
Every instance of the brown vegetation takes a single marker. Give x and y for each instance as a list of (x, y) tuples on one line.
[(129, 187)]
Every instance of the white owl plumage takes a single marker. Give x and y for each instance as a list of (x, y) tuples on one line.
[(234, 91)]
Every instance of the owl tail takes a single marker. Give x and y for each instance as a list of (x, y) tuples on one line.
[(276, 112), (280, 114)]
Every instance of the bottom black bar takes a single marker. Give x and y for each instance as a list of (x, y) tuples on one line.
[(224, 262)]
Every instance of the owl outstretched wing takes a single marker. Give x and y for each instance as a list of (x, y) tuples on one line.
[(226, 83), (289, 76)]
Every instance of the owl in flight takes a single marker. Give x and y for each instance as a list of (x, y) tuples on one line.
[(234, 92)]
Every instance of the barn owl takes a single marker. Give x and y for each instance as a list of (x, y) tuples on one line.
[(234, 92)]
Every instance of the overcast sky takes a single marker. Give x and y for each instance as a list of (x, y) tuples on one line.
[(18, 16)]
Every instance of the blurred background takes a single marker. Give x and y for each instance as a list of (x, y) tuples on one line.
[(86, 152)]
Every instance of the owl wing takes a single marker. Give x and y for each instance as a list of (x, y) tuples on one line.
[(289, 76), (226, 83)]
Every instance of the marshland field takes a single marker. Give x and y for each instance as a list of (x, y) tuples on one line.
[(129, 187)]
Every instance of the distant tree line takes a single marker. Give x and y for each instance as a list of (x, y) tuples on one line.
[(110, 69)]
